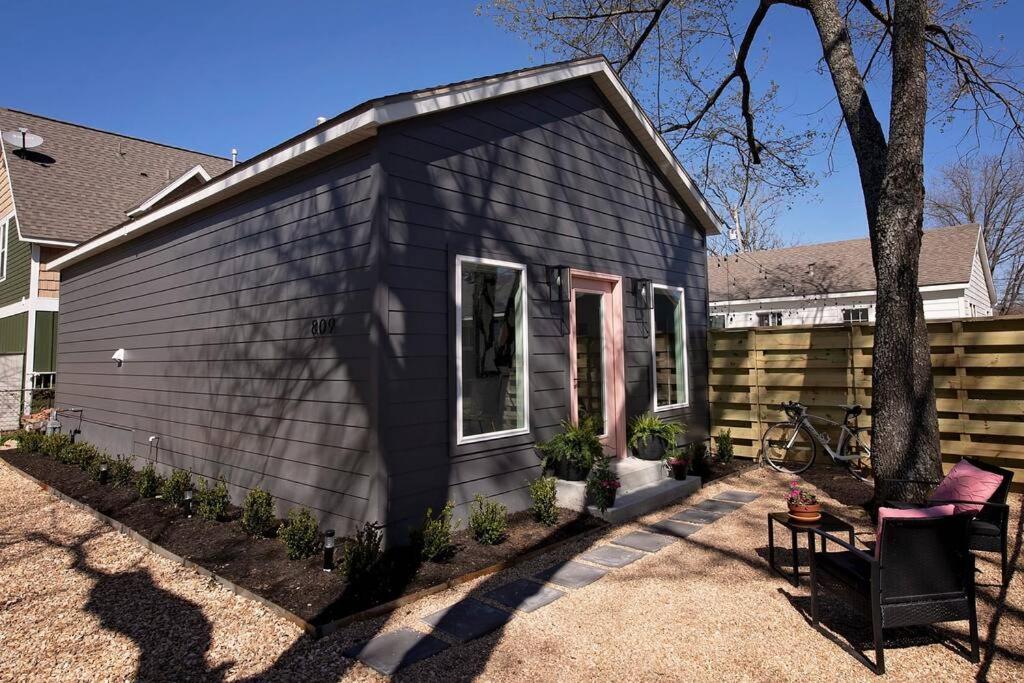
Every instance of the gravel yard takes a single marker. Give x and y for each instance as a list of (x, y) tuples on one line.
[(80, 602)]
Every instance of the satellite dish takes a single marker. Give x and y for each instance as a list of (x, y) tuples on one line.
[(22, 139)]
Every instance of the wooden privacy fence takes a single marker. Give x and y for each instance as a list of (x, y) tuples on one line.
[(978, 366)]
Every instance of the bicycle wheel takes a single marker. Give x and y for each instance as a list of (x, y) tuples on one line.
[(785, 453), (859, 444)]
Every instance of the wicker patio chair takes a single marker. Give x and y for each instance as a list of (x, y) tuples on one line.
[(923, 574), (989, 530)]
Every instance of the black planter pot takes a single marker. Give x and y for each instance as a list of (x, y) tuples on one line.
[(678, 470), (611, 498), (569, 471), (654, 449)]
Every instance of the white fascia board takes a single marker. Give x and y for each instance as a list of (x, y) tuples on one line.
[(830, 295), (193, 172), (363, 125), (45, 242)]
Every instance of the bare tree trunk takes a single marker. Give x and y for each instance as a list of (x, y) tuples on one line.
[(906, 434)]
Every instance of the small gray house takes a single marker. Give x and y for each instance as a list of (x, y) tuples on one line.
[(391, 309)]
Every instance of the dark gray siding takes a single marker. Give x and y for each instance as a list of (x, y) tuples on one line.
[(215, 314), (545, 178)]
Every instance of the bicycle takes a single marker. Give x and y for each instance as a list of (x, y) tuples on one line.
[(791, 446)]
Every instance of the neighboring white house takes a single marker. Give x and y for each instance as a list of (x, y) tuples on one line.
[(835, 282)]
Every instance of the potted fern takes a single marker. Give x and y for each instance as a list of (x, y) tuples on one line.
[(571, 454), (650, 436)]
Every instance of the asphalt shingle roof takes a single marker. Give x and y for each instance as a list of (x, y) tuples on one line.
[(947, 255), (81, 181)]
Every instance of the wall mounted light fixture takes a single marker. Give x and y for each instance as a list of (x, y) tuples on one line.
[(642, 293), (558, 283), (118, 357)]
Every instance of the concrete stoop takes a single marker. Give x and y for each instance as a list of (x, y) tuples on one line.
[(645, 486)]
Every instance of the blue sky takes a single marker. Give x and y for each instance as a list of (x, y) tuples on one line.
[(217, 75)]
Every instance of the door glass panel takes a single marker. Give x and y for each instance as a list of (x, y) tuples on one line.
[(590, 358), (669, 349)]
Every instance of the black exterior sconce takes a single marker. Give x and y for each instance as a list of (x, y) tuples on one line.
[(558, 283), (642, 293)]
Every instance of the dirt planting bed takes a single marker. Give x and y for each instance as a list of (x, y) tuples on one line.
[(262, 566)]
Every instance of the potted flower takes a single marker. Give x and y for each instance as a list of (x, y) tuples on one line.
[(803, 505), (571, 454), (649, 436), (602, 484), (677, 460)]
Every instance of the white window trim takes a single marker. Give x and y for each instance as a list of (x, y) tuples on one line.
[(4, 245), (858, 309), (490, 436), (654, 354)]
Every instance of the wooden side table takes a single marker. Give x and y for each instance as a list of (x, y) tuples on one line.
[(828, 522)]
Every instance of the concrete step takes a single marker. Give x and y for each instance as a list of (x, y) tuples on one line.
[(640, 501), (635, 473)]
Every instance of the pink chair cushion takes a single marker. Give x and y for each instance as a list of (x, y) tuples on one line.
[(967, 482), (912, 513)]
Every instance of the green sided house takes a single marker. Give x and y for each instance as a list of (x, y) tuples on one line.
[(55, 194)]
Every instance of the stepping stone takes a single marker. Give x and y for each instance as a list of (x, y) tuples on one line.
[(738, 496), (524, 595), (677, 529), (395, 650), (643, 540), (610, 556), (697, 516), (572, 574), (717, 505), (468, 619)]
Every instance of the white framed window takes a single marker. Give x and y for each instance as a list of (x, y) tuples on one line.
[(8, 223), (769, 319), (670, 366), (491, 349), (855, 315)]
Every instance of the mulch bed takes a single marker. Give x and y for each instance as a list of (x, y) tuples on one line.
[(261, 565)]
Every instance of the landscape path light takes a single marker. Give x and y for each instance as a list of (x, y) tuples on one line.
[(329, 550)]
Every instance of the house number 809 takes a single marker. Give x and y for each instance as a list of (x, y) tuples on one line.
[(322, 326)]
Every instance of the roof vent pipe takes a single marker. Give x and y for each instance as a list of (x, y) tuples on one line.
[(321, 119), (234, 157)]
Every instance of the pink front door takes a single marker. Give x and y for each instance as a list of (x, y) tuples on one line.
[(598, 386)]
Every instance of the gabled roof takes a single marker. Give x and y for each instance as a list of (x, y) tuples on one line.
[(81, 181), (362, 122), (179, 187), (947, 255)]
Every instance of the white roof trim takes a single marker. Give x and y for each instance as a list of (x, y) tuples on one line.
[(982, 249), (188, 175), (359, 126)]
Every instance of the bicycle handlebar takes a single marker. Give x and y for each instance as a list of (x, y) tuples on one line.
[(792, 408)]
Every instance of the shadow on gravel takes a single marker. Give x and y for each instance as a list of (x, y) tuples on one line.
[(171, 633)]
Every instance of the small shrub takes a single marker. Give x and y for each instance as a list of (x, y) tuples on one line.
[(300, 534), (212, 500), (602, 485), (84, 455), (488, 520), (121, 472), (148, 482), (174, 487), (723, 444), (53, 444), (30, 441), (362, 552), (95, 468), (258, 513), (434, 537), (543, 493)]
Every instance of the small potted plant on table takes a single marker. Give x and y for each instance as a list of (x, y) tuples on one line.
[(650, 436), (571, 454), (677, 460), (602, 485), (803, 505)]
